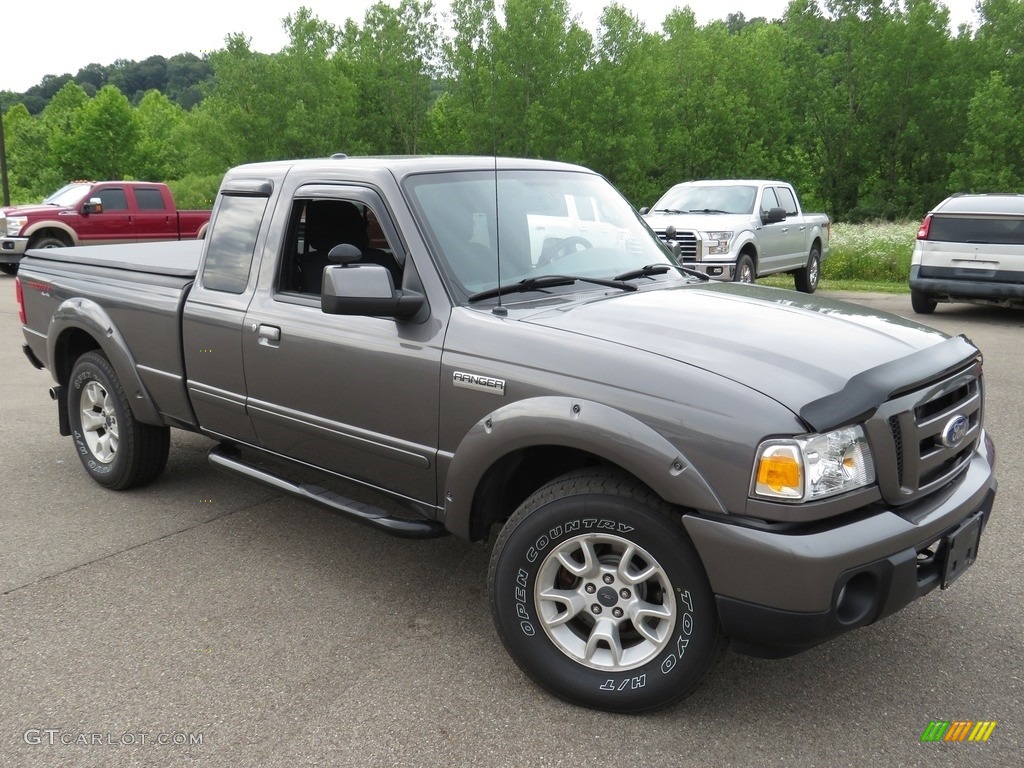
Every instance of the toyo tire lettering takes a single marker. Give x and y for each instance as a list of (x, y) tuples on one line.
[(600, 597)]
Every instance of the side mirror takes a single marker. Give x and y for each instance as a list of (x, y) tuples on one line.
[(644, 210), (368, 290), (773, 215), (95, 205), (675, 246)]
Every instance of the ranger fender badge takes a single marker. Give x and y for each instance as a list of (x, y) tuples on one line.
[(955, 431), (478, 382)]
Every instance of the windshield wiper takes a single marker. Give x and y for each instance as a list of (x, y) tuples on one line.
[(645, 271), (667, 210), (660, 269), (547, 281), (705, 210)]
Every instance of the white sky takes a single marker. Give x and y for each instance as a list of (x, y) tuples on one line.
[(55, 37)]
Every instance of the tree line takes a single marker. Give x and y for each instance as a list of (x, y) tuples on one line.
[(871, 108)]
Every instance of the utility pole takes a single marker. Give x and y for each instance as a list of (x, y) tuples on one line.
[(3, 161)]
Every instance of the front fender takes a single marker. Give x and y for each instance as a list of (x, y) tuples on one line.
[(598, 429), (89, 317), (744, 239), (38, 226)]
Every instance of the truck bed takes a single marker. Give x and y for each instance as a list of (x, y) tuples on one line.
[(138, 289), (174, 258)]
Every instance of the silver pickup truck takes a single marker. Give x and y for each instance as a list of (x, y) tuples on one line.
[(667, 464), (734, 229)]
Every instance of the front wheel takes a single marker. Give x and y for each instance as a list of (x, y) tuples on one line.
[(806, 278), (117, 451), (47, 242), (744, 270), (9, 269), (600, 597)]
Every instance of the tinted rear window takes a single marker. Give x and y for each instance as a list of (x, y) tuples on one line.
[(956, 229)]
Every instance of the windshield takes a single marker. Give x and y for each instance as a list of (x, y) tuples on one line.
[(67, 195), (711, 198), (544, 223)]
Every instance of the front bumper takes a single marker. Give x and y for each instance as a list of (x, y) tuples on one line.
[(782, 590), (716, 270), (947, 283), (12, 249)]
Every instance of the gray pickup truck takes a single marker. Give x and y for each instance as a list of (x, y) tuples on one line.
[(668, 464)]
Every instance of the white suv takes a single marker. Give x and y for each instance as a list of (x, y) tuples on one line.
[(970, 248)]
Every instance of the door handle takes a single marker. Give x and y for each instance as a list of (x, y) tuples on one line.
[(269, 335)]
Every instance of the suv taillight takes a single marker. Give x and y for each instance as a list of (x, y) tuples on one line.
[(925, 228), (21, 301)]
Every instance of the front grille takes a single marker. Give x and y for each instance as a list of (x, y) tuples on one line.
[(687, 243), (934, 432)]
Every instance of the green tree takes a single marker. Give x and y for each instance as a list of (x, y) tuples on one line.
[(161, 149), (539, 56), (461, 120), (296, 103), (992, 157), (29, 175), (103, 140), (392, 60), (614, 127)]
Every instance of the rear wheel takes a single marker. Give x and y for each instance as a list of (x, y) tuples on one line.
[(9, 269), (600, 597), (922, 303), (806, 278), (744, 270), (117, 451)]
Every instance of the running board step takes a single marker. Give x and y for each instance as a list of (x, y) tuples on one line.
[(227, 459)]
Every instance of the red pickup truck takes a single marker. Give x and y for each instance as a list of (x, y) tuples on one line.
[(96, 213)]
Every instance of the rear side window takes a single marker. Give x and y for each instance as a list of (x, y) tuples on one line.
[(232, 242), (988, 230), (149, 199), (786, 200)]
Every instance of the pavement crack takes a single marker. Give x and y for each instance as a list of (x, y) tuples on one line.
[(139, 545)]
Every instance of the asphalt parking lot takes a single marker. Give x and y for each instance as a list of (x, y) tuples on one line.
[(205, 621)]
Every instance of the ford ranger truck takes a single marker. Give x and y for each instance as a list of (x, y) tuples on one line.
[(93, 213), (661, 463), (731, 229)]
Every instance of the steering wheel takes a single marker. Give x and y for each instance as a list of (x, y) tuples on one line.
[(564, 247)]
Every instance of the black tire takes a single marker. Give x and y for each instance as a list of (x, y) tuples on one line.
[(922, 303), (806, 278), (117, 451), (9, 269), (595, 517), (744, 270), (47, 242)]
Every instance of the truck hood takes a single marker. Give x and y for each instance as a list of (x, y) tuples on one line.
[(828, 361), (32, 209), (702, 222)]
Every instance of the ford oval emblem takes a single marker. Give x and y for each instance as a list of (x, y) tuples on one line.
[(955, 431)]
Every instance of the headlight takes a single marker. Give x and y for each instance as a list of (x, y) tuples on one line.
[(718, 242), (813, 467), (14, 225)]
